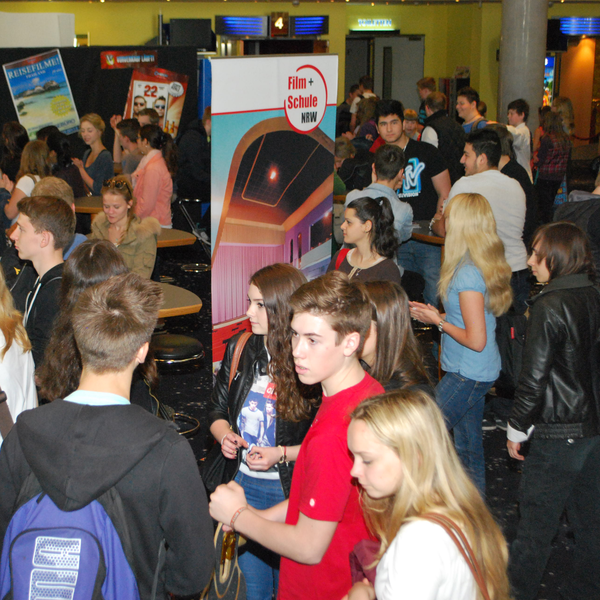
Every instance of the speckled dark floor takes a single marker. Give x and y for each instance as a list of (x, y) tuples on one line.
[(190, 393)]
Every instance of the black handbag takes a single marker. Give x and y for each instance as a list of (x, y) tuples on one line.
[(216, 469), (227, 581), (510, 337)]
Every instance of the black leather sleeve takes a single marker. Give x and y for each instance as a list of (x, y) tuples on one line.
[(220, 396), (544, 334)]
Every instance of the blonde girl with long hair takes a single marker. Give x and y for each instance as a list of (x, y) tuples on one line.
[(407, 468), (475, 288), (16, 361)]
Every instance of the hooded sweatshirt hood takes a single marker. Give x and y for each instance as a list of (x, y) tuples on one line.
[(78, 452)]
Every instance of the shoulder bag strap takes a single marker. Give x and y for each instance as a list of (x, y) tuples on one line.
[(459, 538), (6, 421), (237, 354), (340, 258)]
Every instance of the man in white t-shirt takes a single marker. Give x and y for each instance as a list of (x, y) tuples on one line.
[(507, 199), (365, 90), (518, 111)]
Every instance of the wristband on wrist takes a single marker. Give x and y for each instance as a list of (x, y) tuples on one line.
[(283, 458), (236, 514)]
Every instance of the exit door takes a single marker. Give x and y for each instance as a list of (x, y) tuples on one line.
[(398, 65)]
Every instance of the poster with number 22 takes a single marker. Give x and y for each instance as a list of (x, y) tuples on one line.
[(162, 90)]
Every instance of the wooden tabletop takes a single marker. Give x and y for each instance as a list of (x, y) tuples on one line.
[(178, 301), (175, 237), (89, 205), (424, 234)]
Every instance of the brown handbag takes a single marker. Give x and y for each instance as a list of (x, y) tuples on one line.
[(459, 538)]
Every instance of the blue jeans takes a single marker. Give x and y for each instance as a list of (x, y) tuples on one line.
[(259, 565), (558, 473), (461, 401), (424, 259)]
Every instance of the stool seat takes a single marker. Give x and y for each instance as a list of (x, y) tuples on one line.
[(174, 348)]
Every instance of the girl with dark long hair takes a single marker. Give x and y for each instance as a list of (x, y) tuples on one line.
[(240, 418), (58, 376), (369, 225), (63, 166), (13, 141), (391, 350), (152, 180)]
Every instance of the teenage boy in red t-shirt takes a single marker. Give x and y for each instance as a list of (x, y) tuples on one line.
[(315, 530)]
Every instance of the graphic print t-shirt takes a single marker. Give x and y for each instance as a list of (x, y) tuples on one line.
[(423, 161), (257, 423)]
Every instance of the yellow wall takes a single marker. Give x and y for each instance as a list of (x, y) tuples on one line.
[(455, 34)]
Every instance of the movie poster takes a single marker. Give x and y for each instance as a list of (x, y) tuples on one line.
[(41, 93), (272, 175), (162, 90)]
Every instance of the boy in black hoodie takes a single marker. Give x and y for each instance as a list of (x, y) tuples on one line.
[(93, 440), (44, 227)]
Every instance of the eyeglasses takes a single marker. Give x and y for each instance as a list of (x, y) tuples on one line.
[(159, 106), (117, 184), (139, 104)]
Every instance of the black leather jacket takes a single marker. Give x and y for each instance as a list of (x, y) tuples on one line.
[(559, 386), (227, 404)]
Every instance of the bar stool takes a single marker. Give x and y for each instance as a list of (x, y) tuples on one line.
[(177, 351)]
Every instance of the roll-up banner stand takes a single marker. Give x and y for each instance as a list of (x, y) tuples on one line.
[(273, 136)]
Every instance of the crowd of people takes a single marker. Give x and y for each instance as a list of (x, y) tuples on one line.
[(348, 470)]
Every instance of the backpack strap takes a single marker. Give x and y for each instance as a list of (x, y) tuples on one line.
[(459, 538), (162, 556), (6, 420), (340, 258), (237, 354)]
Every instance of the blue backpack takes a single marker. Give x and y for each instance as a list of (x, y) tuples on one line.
[(80, 555)]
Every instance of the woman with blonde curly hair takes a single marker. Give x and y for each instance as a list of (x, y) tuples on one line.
[(16, 361), (408, 470), (475, 289)]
